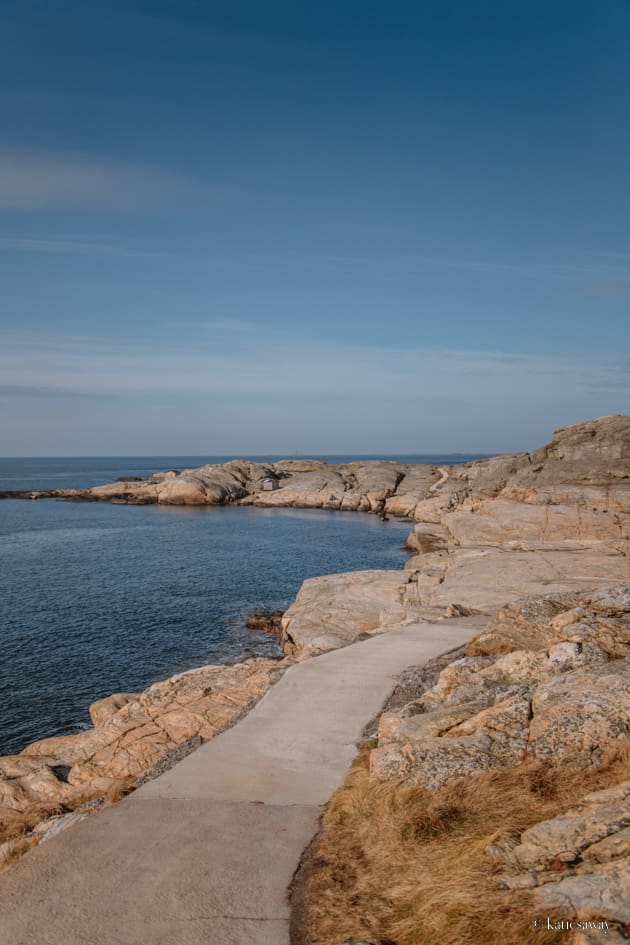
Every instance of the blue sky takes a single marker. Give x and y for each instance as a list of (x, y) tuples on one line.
[(288, 228)]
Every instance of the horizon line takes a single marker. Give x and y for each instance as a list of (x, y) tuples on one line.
[(242, 456)]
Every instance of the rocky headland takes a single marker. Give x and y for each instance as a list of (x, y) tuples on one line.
[(534, 549)]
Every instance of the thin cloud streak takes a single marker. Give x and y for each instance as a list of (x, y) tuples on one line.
[(24, 390), (285, 369), (608, 289), (73, 248), (222, 326), (44, 181), (533, 270)]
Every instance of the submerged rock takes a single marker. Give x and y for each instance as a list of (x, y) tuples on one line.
[(266, 621)]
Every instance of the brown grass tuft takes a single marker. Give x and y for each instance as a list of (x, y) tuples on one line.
[(16, 827), (15, 824), (404, 865), (120, 789), (13, 849)]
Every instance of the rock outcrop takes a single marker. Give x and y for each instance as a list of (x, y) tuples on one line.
[(130, 733), (486, 533), (586, 465), (338, 609), (547, 683), (577, 865), (549, 679)]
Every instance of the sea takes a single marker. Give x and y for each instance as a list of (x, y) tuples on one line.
[(98, 598)]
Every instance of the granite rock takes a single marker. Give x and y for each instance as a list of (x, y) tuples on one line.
[(576, 714), (577, 865), (531, 686), (337, 609), (131, 733)]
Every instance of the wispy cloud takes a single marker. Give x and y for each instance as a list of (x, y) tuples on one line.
[(26, 390), (71, 247), (261, 394), (269, 367), (532, 269), (222, 325), (33, 181), (613, 288), (616, 377)]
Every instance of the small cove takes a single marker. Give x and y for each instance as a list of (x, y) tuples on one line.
[(102, 598), (98, 598)]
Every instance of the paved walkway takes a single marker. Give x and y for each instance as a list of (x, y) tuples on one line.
[(204, 854)]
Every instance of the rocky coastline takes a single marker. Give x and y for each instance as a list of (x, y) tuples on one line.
[(534, 548)]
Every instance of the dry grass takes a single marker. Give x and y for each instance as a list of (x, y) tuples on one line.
[(16, 836), (404, 865)]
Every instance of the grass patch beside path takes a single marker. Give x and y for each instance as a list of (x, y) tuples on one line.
[(403, 865), (18, 828)]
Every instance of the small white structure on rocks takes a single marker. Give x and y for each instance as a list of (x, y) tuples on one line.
[(269, 484)]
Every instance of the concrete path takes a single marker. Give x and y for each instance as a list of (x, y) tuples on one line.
[(204, 854)]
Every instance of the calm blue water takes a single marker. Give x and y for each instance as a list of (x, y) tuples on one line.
[(99, 598)]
